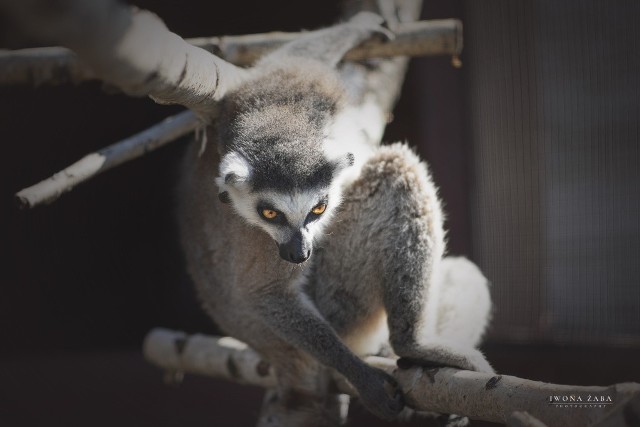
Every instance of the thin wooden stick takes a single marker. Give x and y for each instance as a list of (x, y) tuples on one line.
[(92, 164), (57, 65), (443, 390)]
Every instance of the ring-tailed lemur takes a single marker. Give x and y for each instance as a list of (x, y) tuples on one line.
[(290, 169)]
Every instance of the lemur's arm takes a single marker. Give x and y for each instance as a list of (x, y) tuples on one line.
[(330, 44), (297, 321)]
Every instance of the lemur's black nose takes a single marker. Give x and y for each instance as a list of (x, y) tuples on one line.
[(296, 250), (300, 257)]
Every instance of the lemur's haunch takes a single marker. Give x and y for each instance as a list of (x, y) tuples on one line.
[(357, 262)]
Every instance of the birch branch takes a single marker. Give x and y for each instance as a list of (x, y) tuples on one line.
[(131, 49), (444, 390), (58, 65), (92, 164)]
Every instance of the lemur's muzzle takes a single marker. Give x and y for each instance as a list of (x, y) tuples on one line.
[(296, 250)]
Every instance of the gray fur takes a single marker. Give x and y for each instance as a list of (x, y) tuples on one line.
[(279, 118), (375, 278)]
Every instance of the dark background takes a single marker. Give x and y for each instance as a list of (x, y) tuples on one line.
[(534, 144)]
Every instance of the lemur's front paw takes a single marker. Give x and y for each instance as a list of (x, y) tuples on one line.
[(380, 394), (441, 355), (371, 23)]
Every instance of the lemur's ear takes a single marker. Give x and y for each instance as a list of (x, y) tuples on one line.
[(234, 170), (343, 162), (233, 178)]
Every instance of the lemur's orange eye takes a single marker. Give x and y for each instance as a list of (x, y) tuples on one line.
[(319, 210), (269, 213)]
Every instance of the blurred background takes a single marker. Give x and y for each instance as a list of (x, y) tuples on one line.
[(534, 143)]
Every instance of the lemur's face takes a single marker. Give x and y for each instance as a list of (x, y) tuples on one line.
[(293, 220), (293, 215)]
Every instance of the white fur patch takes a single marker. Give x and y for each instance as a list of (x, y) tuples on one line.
[(357, 130), (464, 302)]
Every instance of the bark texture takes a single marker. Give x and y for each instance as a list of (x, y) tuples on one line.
[(497, 398)]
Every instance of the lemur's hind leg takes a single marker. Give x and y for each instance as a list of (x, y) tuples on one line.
[(394, 218), (412, 274)]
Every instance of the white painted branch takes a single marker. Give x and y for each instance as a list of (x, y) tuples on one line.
[(92, 164), (444, 390), (56, 65), (131, 49)]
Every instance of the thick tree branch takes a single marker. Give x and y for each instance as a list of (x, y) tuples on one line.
[(92, 164), (131, 49), (57, 65), (444, 390)]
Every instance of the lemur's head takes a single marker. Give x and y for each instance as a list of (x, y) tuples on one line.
[(289, 197), (275, 169)]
